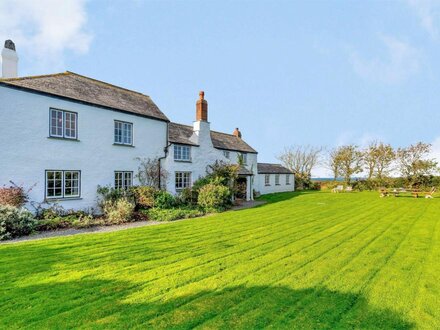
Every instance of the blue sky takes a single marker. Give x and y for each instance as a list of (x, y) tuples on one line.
[(285, 72)]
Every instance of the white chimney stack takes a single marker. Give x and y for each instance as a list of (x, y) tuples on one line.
[(9, 60)]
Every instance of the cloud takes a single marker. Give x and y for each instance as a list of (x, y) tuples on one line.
[(45, 30), (402, 61), (427, 12)]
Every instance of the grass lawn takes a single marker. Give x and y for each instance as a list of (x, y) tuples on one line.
[(310, 260)]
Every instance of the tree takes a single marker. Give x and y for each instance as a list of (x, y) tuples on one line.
[(346, 161), (414, 163), (334, 163), (301, 160), (150, 173), (378, 158), (385, 157)]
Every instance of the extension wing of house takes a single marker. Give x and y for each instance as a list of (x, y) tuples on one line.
[(64, 134)]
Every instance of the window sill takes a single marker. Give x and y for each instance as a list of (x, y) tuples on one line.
[(123, 145), (182, 161), (267, 185), (287, 184), (277, 184), (54, 199), (62, 138)]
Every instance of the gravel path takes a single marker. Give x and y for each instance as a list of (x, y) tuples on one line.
[(108, 229)]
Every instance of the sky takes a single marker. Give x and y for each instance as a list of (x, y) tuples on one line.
[(320, 73)]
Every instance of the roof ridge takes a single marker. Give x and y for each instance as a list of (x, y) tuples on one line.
[(35, 77), (106, 83), (210, 130), (271, 164)]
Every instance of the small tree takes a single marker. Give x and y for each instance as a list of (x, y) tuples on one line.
[(385, 158), (378, 158), (334, 163), (301, 160), (348, 160), (150, 173), (414, 163)]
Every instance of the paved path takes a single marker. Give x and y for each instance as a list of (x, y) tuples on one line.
[(106, 229)]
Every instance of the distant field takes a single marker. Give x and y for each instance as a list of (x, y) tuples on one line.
[(311, 260)]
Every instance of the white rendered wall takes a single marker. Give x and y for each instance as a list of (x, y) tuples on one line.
[(273, 188), (26, 151)]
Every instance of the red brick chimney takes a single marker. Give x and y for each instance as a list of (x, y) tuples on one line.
[(201, 108), (237, 133)]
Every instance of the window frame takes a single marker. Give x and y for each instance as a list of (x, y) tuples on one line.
[(63, 187), (63, 127), (287, 179), (183, 186), (267, 179), (124, 124), (227, 154), (123, 179), (244, 157), (277, 179), (182, 147)]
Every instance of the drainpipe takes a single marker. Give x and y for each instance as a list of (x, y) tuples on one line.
[(165, 150)]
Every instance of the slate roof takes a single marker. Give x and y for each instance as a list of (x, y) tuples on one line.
[(244, 171), (180, 134), (266, 168), (90, 91)]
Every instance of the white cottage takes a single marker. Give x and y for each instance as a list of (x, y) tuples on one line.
[(193, 148), (64, 134)]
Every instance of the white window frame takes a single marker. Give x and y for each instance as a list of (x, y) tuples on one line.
[(267, 179), (244, 157), (123, 133), (65, 183), (63, 124), (277, 179), (227, 154), (287, 179), (123, 179), (182, 180), (182, 153)]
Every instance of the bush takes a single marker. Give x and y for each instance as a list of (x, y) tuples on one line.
[(15, 222), (119, 211), (157, 214), (110, 194), (13, 196), (145, 196), (164, 200), (188, 197), (214, 197)]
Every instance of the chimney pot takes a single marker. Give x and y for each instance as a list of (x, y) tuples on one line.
[(201, 108), (237, 133), (9, 60)]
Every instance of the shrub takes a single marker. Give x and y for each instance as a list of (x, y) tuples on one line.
[(188, 197), (87, 221), (110, 194), (13, 196), (214, 197), (164, 200), (15, 222), (57, 222), (119, 211), (157, 214), (145, 196)]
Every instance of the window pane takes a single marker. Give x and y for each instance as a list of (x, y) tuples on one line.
[(56, 123), (70, 125), (71, 184), (54, 183)]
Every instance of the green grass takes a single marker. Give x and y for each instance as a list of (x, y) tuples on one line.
[(311, 260)]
